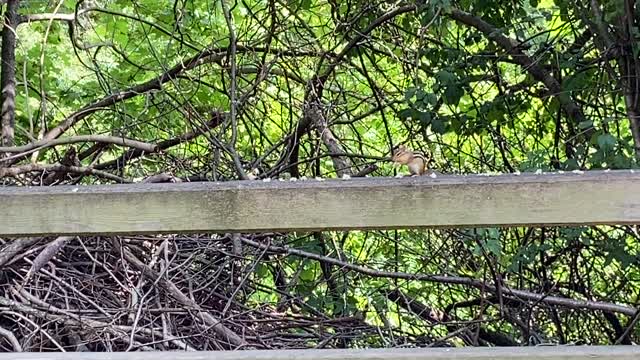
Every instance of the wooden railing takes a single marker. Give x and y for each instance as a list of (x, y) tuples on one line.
[(360, 203), (475, 353)]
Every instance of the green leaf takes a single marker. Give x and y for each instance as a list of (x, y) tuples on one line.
[(585, 124), (493, 233), (571, 233), (571, 164), (262, 270), (606, 141), (457, 122), (623, 257), (406, 23), (575, 82), (438, 126), (444, 4), (404, 114), (121, 32), (493, 246), (308, 274), (410, 93), (409, 113), (495, 113), (452, 94), (429, 99), (446, 77), (425, 118)]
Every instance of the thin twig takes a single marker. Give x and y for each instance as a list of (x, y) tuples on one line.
[(232, 91), (23, 169), (82, 138), (627, 331), (458, 280)]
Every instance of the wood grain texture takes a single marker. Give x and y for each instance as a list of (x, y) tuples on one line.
[(360, 203), (516, 353)]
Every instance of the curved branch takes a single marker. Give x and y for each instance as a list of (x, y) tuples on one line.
[(203, 57), (513, 48), (217, 325), (69, 318), (232, 89), (82, 138), (24, 169), (72, 17), (216, 120), (456, 280), (11, 338), (361, 35)]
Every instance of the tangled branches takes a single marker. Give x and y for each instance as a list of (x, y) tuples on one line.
[(274, 291), (144, 293)]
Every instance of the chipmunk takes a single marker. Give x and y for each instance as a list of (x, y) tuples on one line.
[(415, 161)]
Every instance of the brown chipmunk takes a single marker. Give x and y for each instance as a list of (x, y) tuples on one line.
[(415, 161)]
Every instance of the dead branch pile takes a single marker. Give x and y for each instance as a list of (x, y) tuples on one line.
[(156, 293)]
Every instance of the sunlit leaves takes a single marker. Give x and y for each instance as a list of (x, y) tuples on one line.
[(121, 32)]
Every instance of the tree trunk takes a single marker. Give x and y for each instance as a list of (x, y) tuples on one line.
[(629, 71), (8, 72)]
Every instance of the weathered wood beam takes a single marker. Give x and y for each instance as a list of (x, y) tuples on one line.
[(363, 203), (473, 353)]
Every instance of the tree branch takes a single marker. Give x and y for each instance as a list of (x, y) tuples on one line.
[(23, 169), (512, 47), (216, 324), (216, 120), (456, 280), (142, 146), (205, 56), (232, 90)]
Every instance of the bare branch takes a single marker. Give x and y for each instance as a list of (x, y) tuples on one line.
[(457, 280), (106, 139), (512, 47), (23, 169), (216, 120)]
